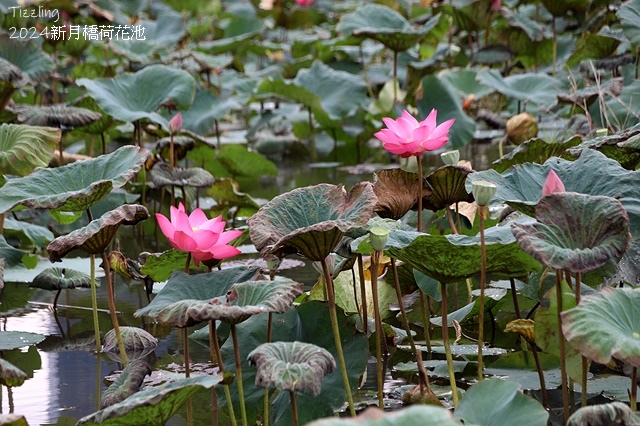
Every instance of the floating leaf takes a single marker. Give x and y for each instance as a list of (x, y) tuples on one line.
[(623, 147), (534, 151), (397, 192), (448, 187), (94, 238), (59, 278), (10, 375), (415, 415), (76, 186), (575, 232), (17, 339), (127, 383), (57, 115), (138, 343), (292, 366), (311, 220), (23, 148)]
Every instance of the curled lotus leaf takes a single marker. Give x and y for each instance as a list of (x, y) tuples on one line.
[(138, 343), (397, 192), (448, 187), (292, 366), (96, 236), (311, 220), (10, 375), (29, 57), (127, 383), (162, 175), (57, 115), (241, 301), (613, 413), (606, 325), (575, 232), (23, 148), (76, 186), (59, 278)]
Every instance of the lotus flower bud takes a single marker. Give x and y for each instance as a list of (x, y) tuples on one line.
[(552, 184), (175, 124), (483, 191), (378, 237), (450, 157), (522, 127)]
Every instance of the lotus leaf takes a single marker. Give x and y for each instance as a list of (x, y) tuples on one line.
[(606, 325), (311, 220), (58, 115), (416, 415), (197, 287), (13, 420), (17, 339), (9, 72), (227, 195), (587, 95), (562, 8), (181, 146), (624, 147), (138, 343), (28, 57), (448, 187), (239, 161), (575, 232), (95, 237), (59, 278), (292, 366), (205, 110), (493, 54), (136, 96), (397, 192), (538, 88), (534, 151), (629, 15), (76, 186), (37, 235), (127, 383), (12, 256), (23, 148), (491, 401), (153, 405), (195, 177), (241, 301), (10, 375), (613, 413), (592, 46)]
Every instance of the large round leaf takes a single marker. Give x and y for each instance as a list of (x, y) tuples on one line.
[(17, 339), (138, 343), (59, 278), (311, 220), (135, 96), (56, 115), (606, 325), (23, 148), (448, 187), (195, 177), (241, 301), (491, 401), (415, 415), (397, 192), (538, 88), (292, 366), (629, 15), (575, 232), (534, 151), (76, 186), (28, 57)]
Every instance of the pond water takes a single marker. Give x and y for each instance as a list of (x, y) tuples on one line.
[(68, 377)]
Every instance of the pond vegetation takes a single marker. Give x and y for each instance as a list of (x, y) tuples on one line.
[(230, 188)]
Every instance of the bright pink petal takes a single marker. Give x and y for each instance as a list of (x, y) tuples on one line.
[(410, 119), (387, 136), (213, 225), (421, 134), (205, 239), (391, 124), (225, 237), (166, 227), (223, 252), (201, 255), (443, 129), (430, 121), (173, 214), (433, 144), (406, 150), (197, 218), (184, 241), (405, 127), (182, 223)]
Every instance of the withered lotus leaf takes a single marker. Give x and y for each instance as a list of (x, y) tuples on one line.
[(447, 187), (397, 192), (292, 366), (138, 343), (58, 278), (94, 238), (163, 175), (55, 115), (311, 220), (127, 383), (575, 232)]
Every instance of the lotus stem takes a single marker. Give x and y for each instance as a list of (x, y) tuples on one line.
[(555, 47), (94, 301), (447, 347), (395, 78), (403, 313), (216, 349), (312, 137), (514, 295), (336, 335), (451, 222), (543, 387), (185, 336), (172, 157), (375, 258), (500, 149), (426, 324), (563, 364), (363, 292), (112, 308), (294, 408), (365, 74), (236, 351), (1, 223), (483, 278), (212, 358), (420, 178), (217, 130), (633, 397), (187, 263), (585, 361)]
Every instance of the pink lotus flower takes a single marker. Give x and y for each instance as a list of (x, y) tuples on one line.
[(495, 5), (175, 124), (406, 136), (552, 184), (197, 234), (304, 3)]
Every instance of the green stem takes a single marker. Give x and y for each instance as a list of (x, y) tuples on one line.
[(94, 302), (216, 348), (634, 389), (236, 350), (447, 347), (172, 157), (375, 257), (585, 361), (426, 324), (403, 313), (563, 363), (294, 408), (212, 358), (483, 278), (187, 263), (543, 387), (112, 308), (514, 295), (185, 336), (336, 336), (363, 292), (395, 77), (555, 45), (420, 178)]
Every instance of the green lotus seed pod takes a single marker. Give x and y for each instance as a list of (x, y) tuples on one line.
[(450, 157), (378, 237), (483, 191)]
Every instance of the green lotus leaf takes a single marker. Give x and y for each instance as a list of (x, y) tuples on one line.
[(530, 26), (127, 383), (138, 343), (160, 266), (9, 72), (239, 33), (96, 236), (575, 232), (538, 88), (464, 82), (153, 405), (534, 151), (292, 366), (18, 339), (10, 375), (76, 186), (588, 94), (195, 177), (56, 115), (205, 110), (28, 57), (606, 325), (11, 255), (448, 187), (97, 127), (493, 54), (241, 301), (468, 15), (397, 192), (562, 8), (196, 287), (450, 258), (629, 15), (181, 146), (23, 148), (239, 161), (624, 147), (592, 46), (227, 195), (311, 220), (415, 415), (59, 278), (385, 25), (491, 401), (136, 96), (494, 297)]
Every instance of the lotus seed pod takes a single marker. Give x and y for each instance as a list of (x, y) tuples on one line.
[(378, 237), (483, 191), (521, 128), (450, 157)]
